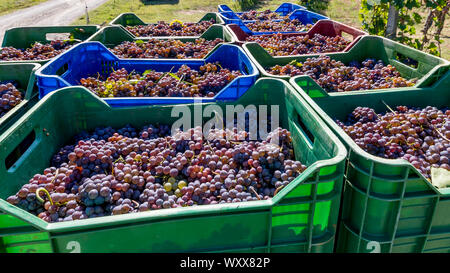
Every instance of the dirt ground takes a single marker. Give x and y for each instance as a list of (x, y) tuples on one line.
[(53, 12)]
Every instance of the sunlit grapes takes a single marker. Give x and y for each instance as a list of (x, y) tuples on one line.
[(176, 49), (207, 81), (335, 76), (114, 172), (418, 135)]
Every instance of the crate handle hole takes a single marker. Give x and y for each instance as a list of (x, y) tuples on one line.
[(15, 155), (63, 69), (58, 36), (245, 69), (304, 130), (406, 60), (347, 36)]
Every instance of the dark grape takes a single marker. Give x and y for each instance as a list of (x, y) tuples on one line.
[(10, 97)]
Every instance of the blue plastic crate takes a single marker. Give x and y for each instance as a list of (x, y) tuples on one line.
[(304, 16), (284, 9), (90, 58)]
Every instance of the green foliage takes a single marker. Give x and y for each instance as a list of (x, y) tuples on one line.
[(374, 17)]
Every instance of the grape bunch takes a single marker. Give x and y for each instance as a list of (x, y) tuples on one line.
[(418, 135), (166, 49), (282, 45), (37, 51), (285, 25), (335, 76), (10, 97), (176, 28), (152, 170), (259, 15), (186, 82)]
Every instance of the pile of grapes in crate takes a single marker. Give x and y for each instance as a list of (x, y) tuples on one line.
[(37, 51), (155, 48), (10, 97), (185, 82), (113, 172), (285, 25), (175, 28), (335, 76), (281, 45), (419, 135), (259, 15)]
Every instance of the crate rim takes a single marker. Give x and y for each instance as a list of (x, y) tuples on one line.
[(327, 21), (27, 92), (109, 221), (222, 22), (264, 73), (231, 11), (41, 62), (165, 37), (178, 38), (56, 77), (322, 21), (245, 22)]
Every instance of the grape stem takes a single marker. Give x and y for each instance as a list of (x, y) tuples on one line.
[(135, 203), (390, 109), (38, 191), (257, 195), (277, 190), (437, 131), (165, 74)]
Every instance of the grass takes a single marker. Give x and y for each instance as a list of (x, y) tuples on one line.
[(345, 11), (167, 10), (7, 6)]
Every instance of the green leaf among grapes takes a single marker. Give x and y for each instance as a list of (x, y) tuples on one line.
[(146, 72), (295, 63), (173, 75), (440, 177)]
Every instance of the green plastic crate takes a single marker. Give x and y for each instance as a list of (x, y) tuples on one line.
[(17, 236), (302, 217), (131, 19), (23, 75), (429, 68), (112, 36), (388, 206), (24, 37)]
